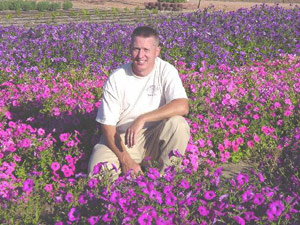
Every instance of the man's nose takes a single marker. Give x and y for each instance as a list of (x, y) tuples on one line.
[(141, 53)]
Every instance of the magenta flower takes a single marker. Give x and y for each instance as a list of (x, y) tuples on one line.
[(93, 183), (247, 196), (258, 199), (145, 219), (64, 137), (170, 199), (256, 138), (25, 143), (209, 195), (250, 144), (203, 211), (153, 173), (184, 184), (74, 215), (242, 178), (82, 199), (40, 131), (28, 185), (48, 187), (55, 166), (69, 197), (93, 220), (276, 208), (239, 220)]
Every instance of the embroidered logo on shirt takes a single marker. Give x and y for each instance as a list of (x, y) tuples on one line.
[(151, 90)]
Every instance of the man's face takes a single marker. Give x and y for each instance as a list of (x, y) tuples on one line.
[(143, 52)]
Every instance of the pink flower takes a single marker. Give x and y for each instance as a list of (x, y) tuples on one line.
[(250, 144), (55, 166), (243, 129), (209, 195), (68, 172), (48, 187), (227, 144), (64, 137), (184, 184), (41, 131), (69, 197), (203, 211), (8, 69), (287, 113), (258, 199), (239, 220), (239, 141), (256, 138), (25, 143), (277, 105), (221, 147), (233, 101), (28, 185), (17, 158), (74, 215), (288, 101), (256, 116), (93, 220)]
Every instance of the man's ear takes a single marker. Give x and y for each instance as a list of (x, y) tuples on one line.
[(158, 50)]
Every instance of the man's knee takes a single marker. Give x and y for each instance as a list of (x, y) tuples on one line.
[(178, 124)]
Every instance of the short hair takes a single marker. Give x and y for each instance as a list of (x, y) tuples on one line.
[(145, 31)]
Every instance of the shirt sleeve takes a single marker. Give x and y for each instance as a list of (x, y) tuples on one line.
[(173, 87), (109, 110)]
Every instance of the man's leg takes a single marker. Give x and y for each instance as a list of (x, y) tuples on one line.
[(170, 134), (102, 153)]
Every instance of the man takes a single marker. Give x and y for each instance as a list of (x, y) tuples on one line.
[(141, 110)]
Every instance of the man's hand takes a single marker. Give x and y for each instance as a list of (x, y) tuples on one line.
[(128, 164), (133, 131)]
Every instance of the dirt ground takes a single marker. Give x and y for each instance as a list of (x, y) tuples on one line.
[(132, 4)]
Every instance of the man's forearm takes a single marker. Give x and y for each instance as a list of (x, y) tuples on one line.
[(114, 141)]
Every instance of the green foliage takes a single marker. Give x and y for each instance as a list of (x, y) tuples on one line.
[(28, 5), (54, 6), (15, 5), (4, 5), (67, 5), (43, 6)]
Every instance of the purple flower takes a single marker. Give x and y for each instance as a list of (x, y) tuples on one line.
[(74, 215), (203, 211), (276, 208), (69, 197), (250, 216), (242, 178), (93, 220), (184, 184), (153, 173), (145, 219), (258, 199), (28, 185), (82, 199), (239, 220), (247, 195), (170, 199), (93, 183), (209, 195)]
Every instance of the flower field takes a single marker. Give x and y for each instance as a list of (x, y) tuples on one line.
[(241, 71)]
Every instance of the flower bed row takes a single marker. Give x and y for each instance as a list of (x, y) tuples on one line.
[(47, 132), (232, 38)]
